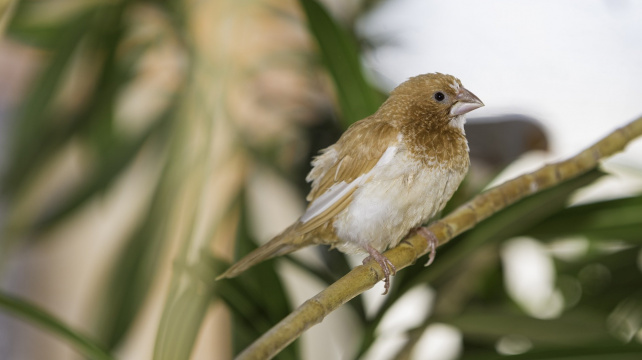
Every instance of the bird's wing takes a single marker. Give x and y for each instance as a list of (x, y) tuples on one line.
[(344, 167)]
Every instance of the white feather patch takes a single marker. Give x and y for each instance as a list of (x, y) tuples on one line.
[(398, 197), (455, 86), (458, 122), (337, 191)]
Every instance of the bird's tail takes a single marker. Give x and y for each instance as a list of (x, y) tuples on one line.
[(284, 243)]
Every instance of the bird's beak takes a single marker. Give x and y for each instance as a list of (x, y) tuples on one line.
[(466, 102)]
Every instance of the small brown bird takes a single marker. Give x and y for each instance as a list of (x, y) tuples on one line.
[(386, 176)]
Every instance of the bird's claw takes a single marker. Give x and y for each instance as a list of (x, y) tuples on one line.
[(432, 242), (386, 266)]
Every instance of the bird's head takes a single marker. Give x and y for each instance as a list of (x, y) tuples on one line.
[(437, 98)]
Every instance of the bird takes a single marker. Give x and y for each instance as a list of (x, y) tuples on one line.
[(386, 176)]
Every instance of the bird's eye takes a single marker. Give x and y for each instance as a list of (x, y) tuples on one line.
[(439, 96)]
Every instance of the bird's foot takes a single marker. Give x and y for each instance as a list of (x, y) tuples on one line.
[(432, 242), (385, 263)]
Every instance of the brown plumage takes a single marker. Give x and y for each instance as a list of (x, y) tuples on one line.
[(387, 175)]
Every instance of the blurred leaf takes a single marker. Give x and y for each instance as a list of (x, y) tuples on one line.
[(39, 134), (189, 296), (30, 27), (7, 8), (605, 279), (576, 327), (111, 166), (33, 130), (46, 321), (340, 54), (133, 272), (260, 288), (593, 352), (91, 123), (183, 313), (611, 219), (256, 298)]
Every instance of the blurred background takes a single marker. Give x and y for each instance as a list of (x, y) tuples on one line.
[(144, 145)]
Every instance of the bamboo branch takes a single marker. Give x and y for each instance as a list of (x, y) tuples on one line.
[(463, 218)]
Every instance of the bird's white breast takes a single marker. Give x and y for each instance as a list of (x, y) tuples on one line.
[(395, 197)]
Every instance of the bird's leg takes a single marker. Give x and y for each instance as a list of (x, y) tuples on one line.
[(385, 263), (432, 242)]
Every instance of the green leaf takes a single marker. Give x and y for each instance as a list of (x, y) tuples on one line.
[(604, 279), (575, 327), (594, 352), (182, 316), (41, 129), (113, 164), (189, 296), (34, 135), (42, 132), (7, 8), (41, 318), (260, 288), (133, 271), (611, 219), (341, 57)]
